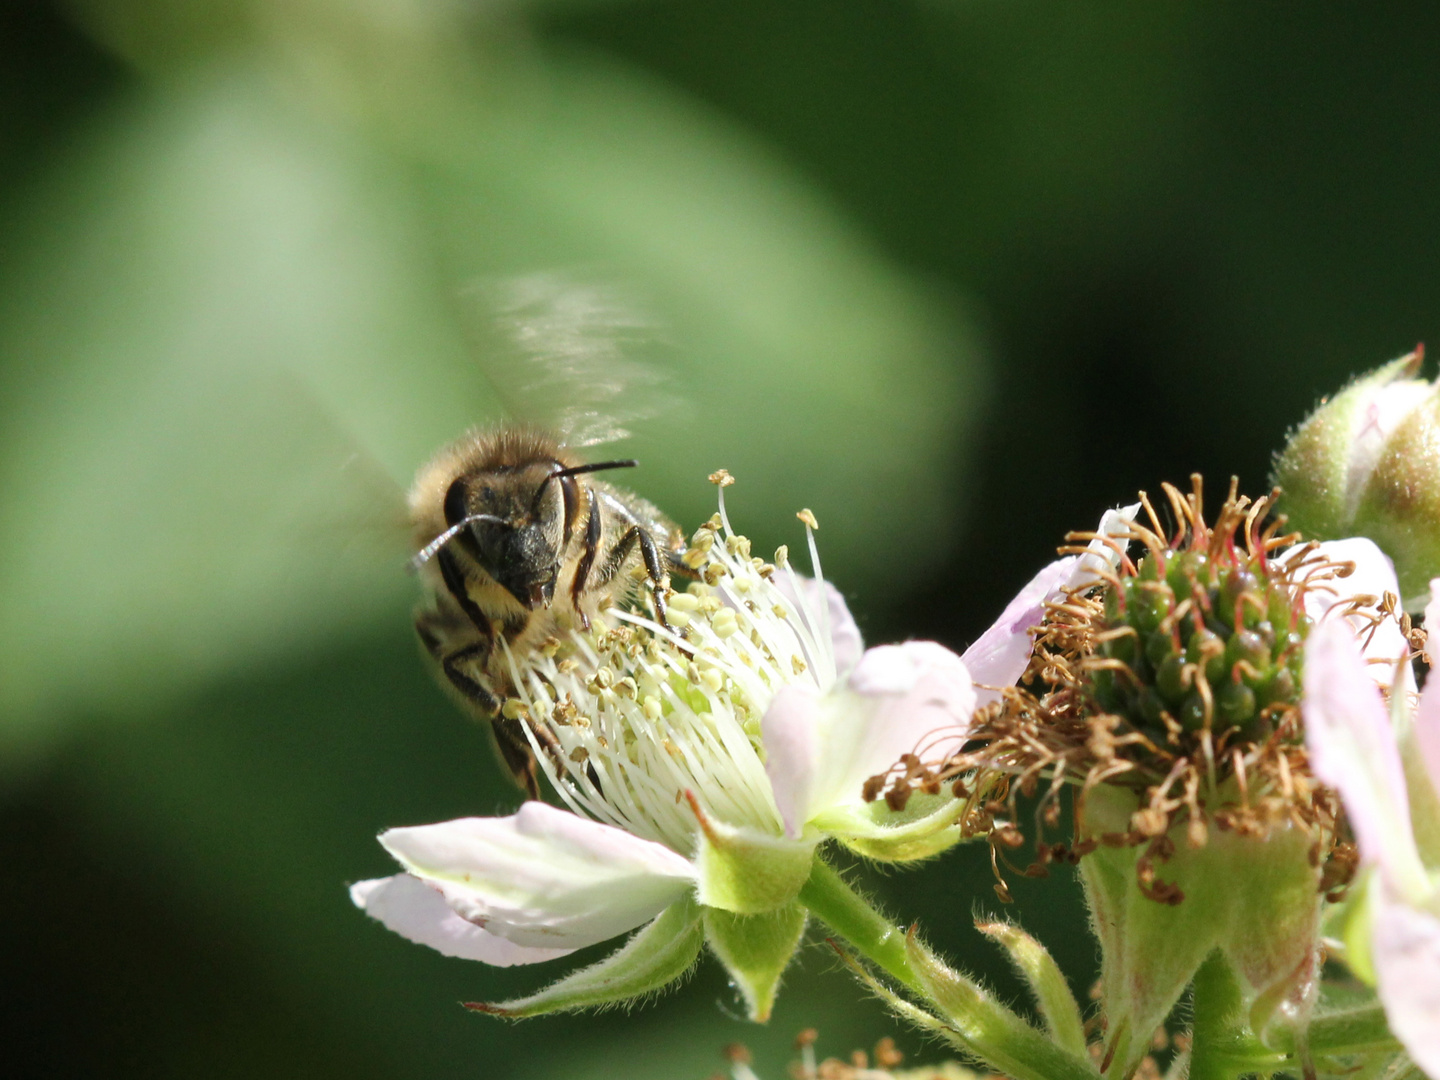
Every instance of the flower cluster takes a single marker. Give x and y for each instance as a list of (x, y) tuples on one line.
[(1165, 692), (701, 766), (1233, 709)]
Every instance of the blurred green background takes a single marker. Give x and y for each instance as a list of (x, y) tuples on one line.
[(957, 275)]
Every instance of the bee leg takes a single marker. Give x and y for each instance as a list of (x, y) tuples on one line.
[(454, 579), (469, 688), (515, 752), (587, 560), (675, 565), (510, 742), (654, 569)]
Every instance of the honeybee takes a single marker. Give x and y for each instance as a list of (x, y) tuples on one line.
[(516, 542)]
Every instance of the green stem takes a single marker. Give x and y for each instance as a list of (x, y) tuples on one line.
[(1354, 1031), (972, 1019), (851, 916), (1223, 1046)]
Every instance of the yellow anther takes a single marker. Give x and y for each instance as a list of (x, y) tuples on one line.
[(721, 478), (808, 517)]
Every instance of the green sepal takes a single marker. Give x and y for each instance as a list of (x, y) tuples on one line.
[(656, 956), (924, 828), (1351, 921), (986, 1028), (1057, 1004), (756, 950), (1258, 901), (748, 872)]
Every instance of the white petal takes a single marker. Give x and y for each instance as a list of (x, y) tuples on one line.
[(1352, 748), (544, 877), (1432, 624), (1405, 946), (416, 911), (1374, 576), (1102, 556), (790, 733), (1427, 713), (1000, 655), (1427, 729), (915, 697), (1384, 411), (845, 640)]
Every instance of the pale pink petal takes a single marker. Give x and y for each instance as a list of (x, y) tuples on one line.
[(544, 877), (1432, 625), (1427, 728), (790, 733), (1427, 714), (414, 910), (915, 697), (1352, 748), (1374, 576), (1000, 655), (1405, 943)]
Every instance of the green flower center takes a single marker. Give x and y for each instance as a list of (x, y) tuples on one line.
[(1193, 639)]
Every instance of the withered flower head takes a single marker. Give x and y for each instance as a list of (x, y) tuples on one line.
[(1177, 676), (1165, 694)]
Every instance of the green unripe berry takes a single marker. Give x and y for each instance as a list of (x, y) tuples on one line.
[(1159, 648), (1192, 712), (1169, 680), (1234, 704)]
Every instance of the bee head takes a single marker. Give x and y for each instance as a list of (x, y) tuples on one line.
[(521, 557), (515, 524)]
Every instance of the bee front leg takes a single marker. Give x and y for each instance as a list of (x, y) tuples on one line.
[(587, 560), (654, 568), (510, 741)]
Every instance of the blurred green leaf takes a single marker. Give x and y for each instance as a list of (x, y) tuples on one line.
[(236, 325)]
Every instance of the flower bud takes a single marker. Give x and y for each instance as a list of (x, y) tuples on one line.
[(1367, 463)]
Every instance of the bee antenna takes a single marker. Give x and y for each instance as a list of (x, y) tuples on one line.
[(596, 466), (576, 470), (430, 550)]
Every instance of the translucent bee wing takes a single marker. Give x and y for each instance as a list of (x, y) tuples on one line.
[(567, 354)]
